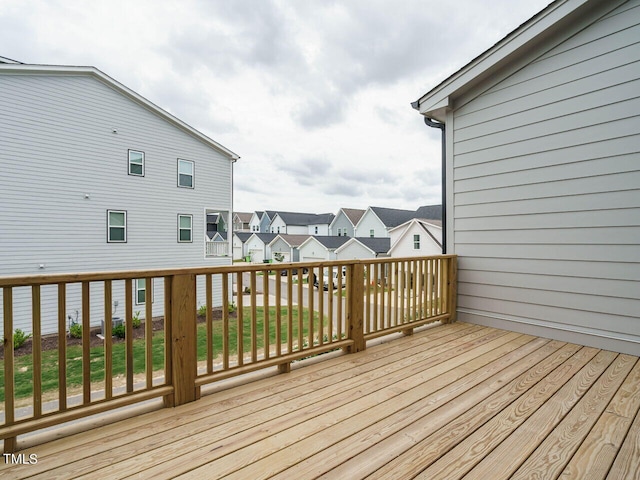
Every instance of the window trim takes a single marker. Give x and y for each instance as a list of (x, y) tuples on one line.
[(180, 229), (193, 173), (144, 289), (416, 241), (130, 151), (109, 226)]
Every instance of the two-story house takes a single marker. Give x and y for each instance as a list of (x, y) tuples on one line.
[(96, 177), (344, 223), (294, 223)]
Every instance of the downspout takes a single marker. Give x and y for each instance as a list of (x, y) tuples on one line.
[(441, 126)]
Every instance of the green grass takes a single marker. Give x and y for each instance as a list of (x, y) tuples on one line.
[(23, 365)]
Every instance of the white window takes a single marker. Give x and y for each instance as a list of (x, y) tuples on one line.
[(136, 163), (141, 291), (416, 242), (116, 226), (316, 230), (372, 233), (185, 228), (186, 172)]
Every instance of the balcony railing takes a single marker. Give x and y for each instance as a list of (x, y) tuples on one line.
[(216, 249), (252, 317)]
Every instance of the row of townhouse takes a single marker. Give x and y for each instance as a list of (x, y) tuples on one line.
[(414, 237), (349, 222)]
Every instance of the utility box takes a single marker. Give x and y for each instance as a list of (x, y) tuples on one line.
[(115, 321)]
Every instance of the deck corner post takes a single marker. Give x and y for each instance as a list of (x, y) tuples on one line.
[(453, 288), (355, 308), (182, 353)]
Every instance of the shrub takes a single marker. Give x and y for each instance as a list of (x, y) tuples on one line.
[(202, 310), (136, 320), (19, 337), (75, 330), (119, 331), (232, 307)]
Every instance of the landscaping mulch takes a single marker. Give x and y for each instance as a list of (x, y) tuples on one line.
[(50, 342)]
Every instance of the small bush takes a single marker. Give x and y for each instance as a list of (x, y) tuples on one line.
[(232, 307), (136, 322), (119, 331), (202, 310), (75, 330), (19, 337)]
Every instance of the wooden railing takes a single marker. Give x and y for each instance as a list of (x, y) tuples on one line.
[(216, 322)]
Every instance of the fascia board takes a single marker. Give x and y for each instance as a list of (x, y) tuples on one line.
[(433, 101)]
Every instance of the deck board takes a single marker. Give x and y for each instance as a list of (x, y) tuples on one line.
[(450, 401)]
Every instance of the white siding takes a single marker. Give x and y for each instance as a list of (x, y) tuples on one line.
[(368, 222), (64, 167), (354, 251), (546, 190)]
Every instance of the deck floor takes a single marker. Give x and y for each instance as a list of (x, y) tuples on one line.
[(452, 401)]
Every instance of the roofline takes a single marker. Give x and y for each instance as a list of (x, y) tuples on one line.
[(119, 87), (438, 100)]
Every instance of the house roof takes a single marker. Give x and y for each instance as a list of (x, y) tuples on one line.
[(264, 237), (429, 212), (300, 219), (377, 245), (243, 236), (330, 242), (554, 18), (353, 214), (244, 217), (20, 68), (291, 240), (392, 217)]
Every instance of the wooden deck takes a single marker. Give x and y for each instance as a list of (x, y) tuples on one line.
[(452, 401)]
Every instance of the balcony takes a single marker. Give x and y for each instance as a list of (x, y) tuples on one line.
[(400, 391), (216, 249)]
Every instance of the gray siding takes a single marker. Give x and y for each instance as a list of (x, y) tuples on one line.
[(58, 146), (546, 182), (342, 222)]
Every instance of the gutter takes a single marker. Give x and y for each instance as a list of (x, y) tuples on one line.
[(440, 126)]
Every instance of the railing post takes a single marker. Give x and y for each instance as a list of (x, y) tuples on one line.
[(452, 285), (182, 352), (355, 308)]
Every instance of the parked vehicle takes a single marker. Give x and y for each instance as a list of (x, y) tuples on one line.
[(334, 279)]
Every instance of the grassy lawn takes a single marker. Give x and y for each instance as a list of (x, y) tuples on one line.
[(23, 365)]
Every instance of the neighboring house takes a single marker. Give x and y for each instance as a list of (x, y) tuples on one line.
[(343, 225), (215, 223), (284, 248), (320, 248), (97, 178), (294, 223), (265, 221), (254, 223), (377, 221), (364, 247), (241, 221), (416, 237), (430, 212), (543, 176), (257, 247), (239, 245)]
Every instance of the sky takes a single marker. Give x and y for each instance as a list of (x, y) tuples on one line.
[(313, 95)]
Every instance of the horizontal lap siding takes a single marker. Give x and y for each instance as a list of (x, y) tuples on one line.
[(547, 188), (58, 146)]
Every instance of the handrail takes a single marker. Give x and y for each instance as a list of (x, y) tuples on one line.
[(254, 316)]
